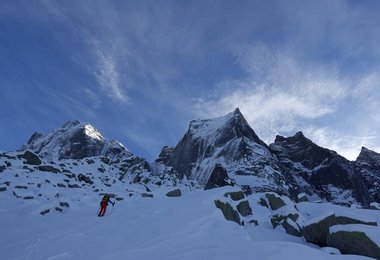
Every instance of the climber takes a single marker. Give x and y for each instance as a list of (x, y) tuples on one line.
[(103, 205)]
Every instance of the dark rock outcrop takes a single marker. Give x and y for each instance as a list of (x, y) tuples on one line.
[(367, 169), (218, 178), (174, 193), (354, 242), (30, 158), (318, 170), (48, 168), (228, 211)]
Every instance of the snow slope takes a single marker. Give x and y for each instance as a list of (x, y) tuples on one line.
[(187, 227)]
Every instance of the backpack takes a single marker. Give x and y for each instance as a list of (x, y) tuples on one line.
[(105, 199)]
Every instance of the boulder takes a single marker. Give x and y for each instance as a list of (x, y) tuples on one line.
[(30, 158), (275, 201), (3, 189), (48, 168), (302, 198), (317, 232), (235, 196), (64, 204), (174, 193), (292, 228), (354, 239), (73, 186), (84, 178), (146, 195), (375, 205), (345, 220), (244, 209), (2, 168), (228, 211), (46, 211)]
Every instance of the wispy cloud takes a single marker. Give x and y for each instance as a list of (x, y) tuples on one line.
[(346, 144), (278, 91), (106, 71)]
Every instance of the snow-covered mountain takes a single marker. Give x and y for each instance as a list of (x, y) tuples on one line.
[(227, 142), (51, 188), (74, 140)]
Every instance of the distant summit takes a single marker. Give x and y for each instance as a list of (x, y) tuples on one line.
[(74, 140)]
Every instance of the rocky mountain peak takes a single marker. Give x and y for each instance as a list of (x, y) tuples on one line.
[(74, 140), (368, 156)]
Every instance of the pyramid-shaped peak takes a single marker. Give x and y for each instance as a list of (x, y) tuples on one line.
[(367, 155), (237, 111)]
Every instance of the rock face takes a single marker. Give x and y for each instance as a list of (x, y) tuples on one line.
[(367, 168), (74, 140), (319, 170), (232, 143), (165, 155), (218, 178)]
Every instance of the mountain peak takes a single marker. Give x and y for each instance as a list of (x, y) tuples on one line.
[(368, 156), (74, 140)]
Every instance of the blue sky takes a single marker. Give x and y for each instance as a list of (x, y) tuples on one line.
[(139, 71)]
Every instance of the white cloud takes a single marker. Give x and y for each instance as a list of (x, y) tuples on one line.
[(106, 72), (278, 92), (347, 145)]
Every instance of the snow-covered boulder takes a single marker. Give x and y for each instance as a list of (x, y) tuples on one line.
[(316, 230), (355, 239), (302, 197), (235, 195), (375, 205)]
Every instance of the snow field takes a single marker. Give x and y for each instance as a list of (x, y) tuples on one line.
[(188, 227)]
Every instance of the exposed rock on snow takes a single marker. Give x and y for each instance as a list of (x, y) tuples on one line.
[(218, 178), (174, 193), (355, 239), (375, 205), (30, 158), (228, 211)]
